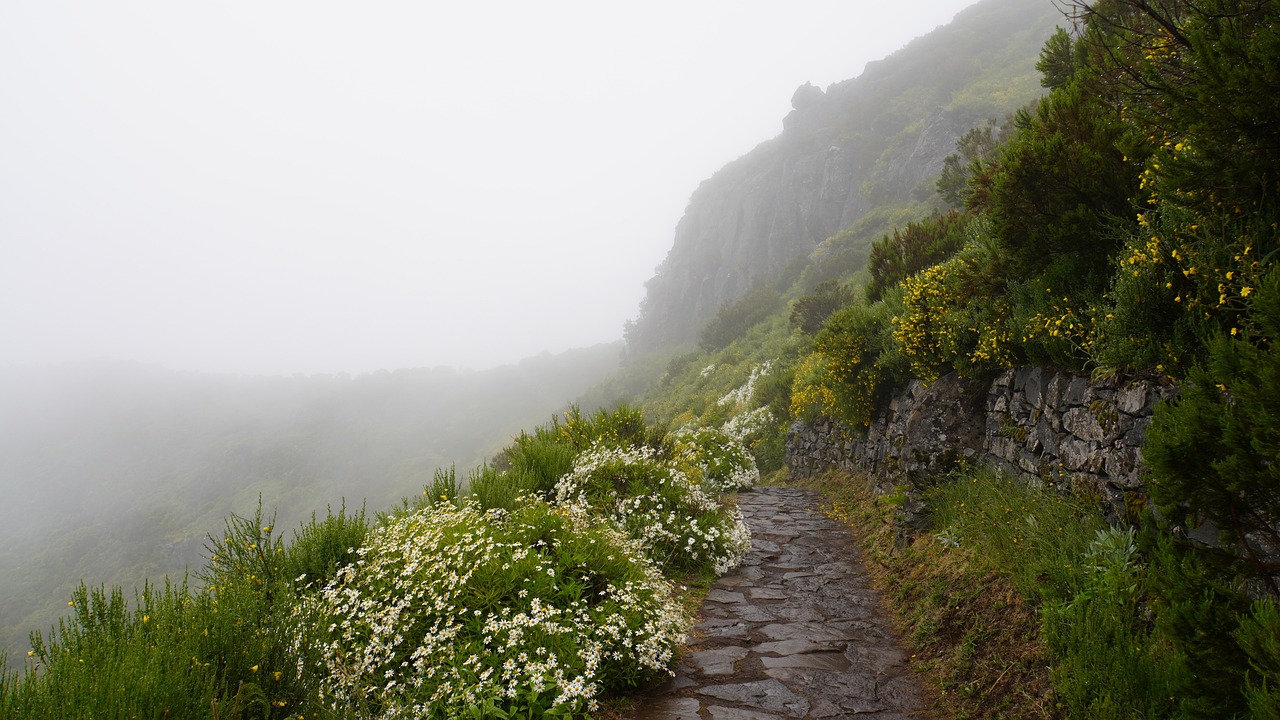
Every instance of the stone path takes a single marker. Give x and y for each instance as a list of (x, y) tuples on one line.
[(795, 632)]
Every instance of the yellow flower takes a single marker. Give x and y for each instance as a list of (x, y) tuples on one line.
[(1246, 291), (253, 669)]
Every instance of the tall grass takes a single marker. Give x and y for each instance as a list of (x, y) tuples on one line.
[(1137, 625)]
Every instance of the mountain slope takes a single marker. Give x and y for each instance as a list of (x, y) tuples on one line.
[(878, 139)]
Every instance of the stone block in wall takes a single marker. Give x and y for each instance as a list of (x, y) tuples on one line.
[(1046, 438), (1076, 454), (1029, 382), (1076, 392), (1083, 423), (1136, 398), (1123, 466)]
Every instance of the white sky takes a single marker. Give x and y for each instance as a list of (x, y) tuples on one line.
[(285, 186)]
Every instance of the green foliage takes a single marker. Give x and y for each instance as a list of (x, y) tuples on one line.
[(1054, 315), (978, 146), (1137, 627), (736, 317), (1058, 60), (914, 248), (641, 493), (809, 312), (1213, 449), (555, 609), (954, 316), (1038, 536), (719, 462), (1059, 182), (320, 547), (1259, 635), (843, 378), (444, 487)]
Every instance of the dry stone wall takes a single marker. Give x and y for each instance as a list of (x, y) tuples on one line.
[(1053, 425)]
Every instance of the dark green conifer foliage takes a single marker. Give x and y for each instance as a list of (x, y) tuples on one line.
[(1213, 450), (917, 246)]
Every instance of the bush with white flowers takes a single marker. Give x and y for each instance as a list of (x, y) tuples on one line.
[(720, 461), (454, 612), (682, 528)]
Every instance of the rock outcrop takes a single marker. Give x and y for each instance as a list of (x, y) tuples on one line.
[(880, 138)]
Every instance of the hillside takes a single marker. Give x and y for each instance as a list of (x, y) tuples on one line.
[(871, 142), (114, 473)]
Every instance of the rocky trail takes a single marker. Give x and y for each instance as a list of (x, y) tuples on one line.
[(795, 632)]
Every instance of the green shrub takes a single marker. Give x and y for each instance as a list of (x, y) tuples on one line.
[(681, 527), (844, 377), (322, 546), (955, 316), (809, 312), (540, 460), (913, 248), (719, 462), (452, 611), (735, 318), (1212, 450), (1259, 635), (444, 487)]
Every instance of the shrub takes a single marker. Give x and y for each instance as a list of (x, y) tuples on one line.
[(1213, 449), (735, 318), (453, 612), (1053, 316), (843, 377), (540, 459), (717, 460), (809, 312), (1259, 635), (682, 529), (320, 547), (913, 248), (955, 317)]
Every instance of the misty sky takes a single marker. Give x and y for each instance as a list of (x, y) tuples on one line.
[(287, 186)]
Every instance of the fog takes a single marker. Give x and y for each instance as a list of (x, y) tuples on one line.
[(313, 187)]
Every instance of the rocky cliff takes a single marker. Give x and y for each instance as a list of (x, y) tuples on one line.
[(878, 139)]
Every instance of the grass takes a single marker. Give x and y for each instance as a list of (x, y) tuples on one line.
[(972, 637), (1021, 602)]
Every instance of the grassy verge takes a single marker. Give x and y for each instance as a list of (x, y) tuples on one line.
[(1020, 601), (973, 639)]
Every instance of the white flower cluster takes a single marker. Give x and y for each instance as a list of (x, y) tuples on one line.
[(741, 395), (724, 464), (744, 425), (449, 607), (679, 524)]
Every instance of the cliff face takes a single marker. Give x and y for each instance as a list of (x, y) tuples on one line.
[(879, 139)]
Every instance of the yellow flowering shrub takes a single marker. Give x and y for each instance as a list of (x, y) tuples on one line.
[(953, 319), (843, 376)]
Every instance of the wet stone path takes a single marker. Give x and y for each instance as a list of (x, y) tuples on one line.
[(795, 632)]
